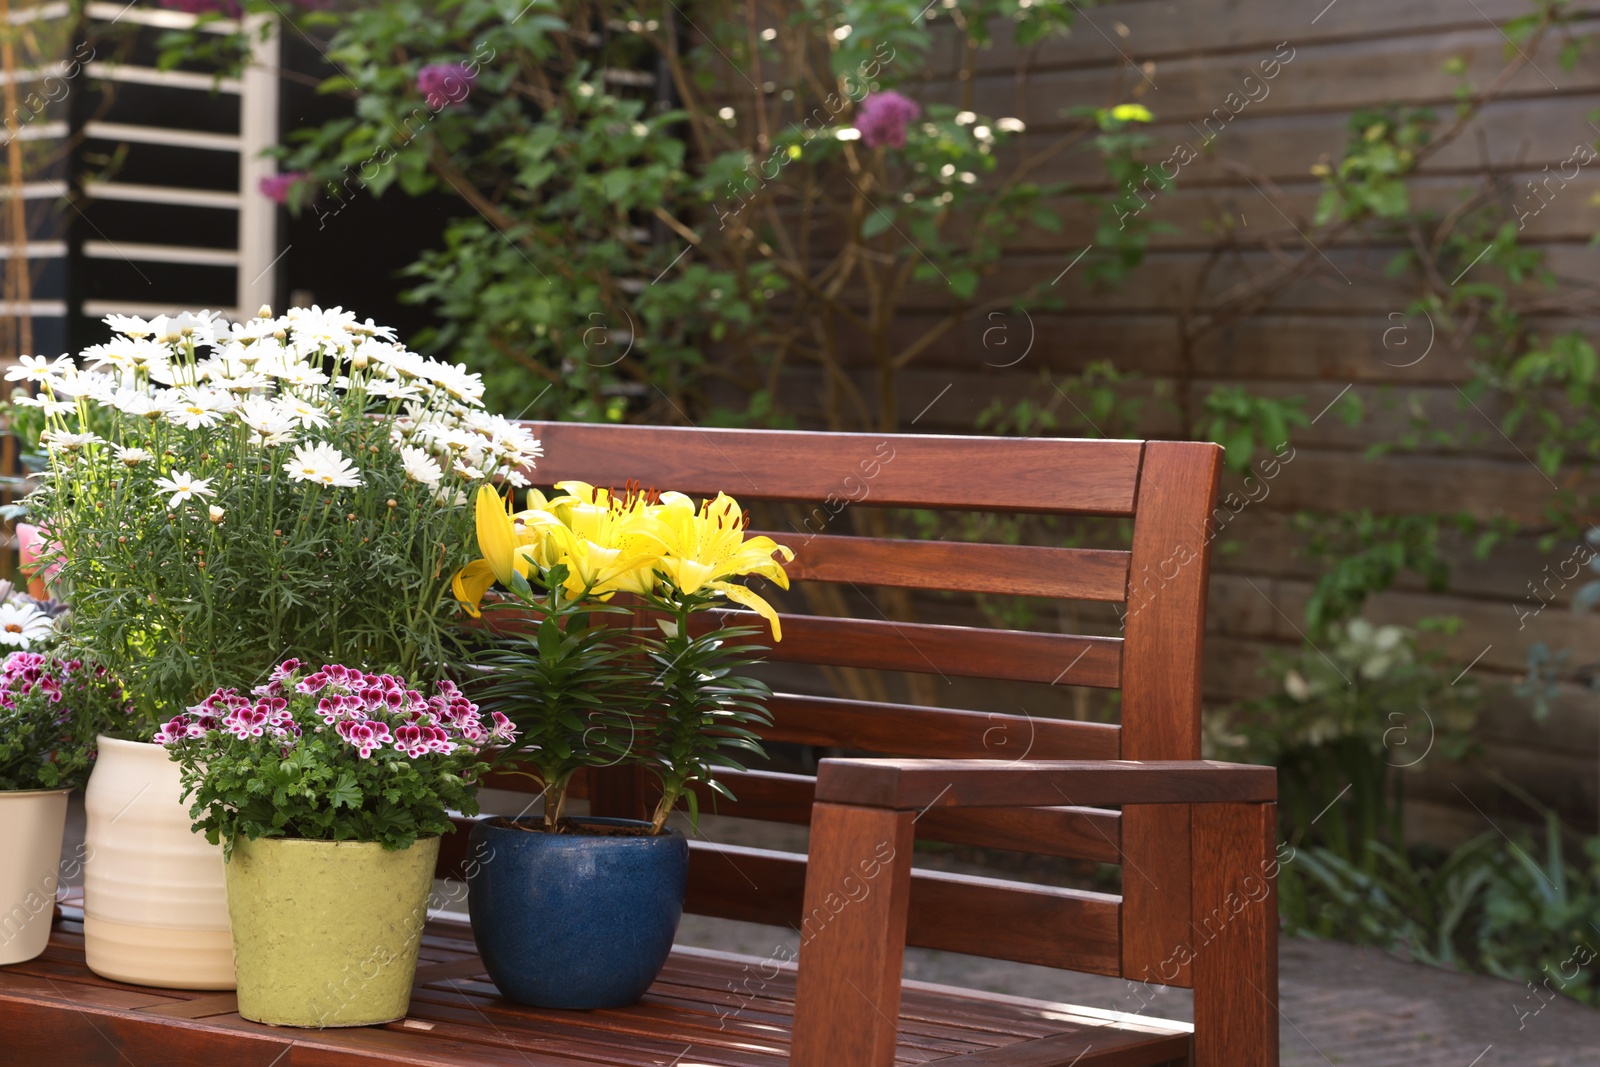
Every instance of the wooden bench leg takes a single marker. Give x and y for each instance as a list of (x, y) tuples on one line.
[(853, 937), (1234, 935)]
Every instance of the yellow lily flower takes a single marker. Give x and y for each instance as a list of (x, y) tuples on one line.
[(505, 552), (706, 546)]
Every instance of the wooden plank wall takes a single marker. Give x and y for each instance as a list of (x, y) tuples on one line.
[(1321, 336)]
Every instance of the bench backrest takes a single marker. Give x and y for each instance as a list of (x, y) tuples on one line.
[(1168, 489)]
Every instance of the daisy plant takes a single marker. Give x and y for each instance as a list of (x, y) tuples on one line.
[(666, 692), (220, 497)]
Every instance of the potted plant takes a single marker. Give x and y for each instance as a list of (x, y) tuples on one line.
[(328, 791), (581, 912), (51, 709), (218, 498)]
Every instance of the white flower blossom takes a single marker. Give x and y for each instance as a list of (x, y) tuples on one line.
[(184, 486), (23, 624), (420, 467), (39, 369), (323, 464)]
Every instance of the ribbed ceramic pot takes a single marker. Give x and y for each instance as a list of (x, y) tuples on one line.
[(155, 908), (575, 920), (326, 933), (31, 824)]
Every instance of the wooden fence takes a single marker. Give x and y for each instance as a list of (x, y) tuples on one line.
[(1333, 331)]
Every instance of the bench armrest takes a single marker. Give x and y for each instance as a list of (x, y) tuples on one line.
[(920, 784)]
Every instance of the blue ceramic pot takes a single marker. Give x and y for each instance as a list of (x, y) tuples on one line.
[(574, 920)]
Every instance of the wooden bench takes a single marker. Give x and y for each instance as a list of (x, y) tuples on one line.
[(1195, 839)]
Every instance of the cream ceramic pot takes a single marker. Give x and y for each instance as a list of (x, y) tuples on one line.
[(155, 907), (31, 824)]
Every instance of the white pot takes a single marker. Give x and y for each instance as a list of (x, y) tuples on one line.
[(155, 906), (31, 824)]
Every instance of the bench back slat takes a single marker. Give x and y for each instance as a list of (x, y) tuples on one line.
[(954, 913), (888, 470), (935, 733), (1167, 488), (928, 648), (1004, 570)]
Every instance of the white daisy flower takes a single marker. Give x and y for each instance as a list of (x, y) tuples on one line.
[(39, 369), (216, 515), (391, 389), (268, 419), (128, 325), (127, 354), (198, 327), (324, 465), (298, 374), (420, 467), (132, 457), (45, 404), (301, 412), (23, 624), (197, 408), (457, 381), (57, 441), (467, 471), (140, 404), (184, 486)]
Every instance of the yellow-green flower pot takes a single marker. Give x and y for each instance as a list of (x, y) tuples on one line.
[(325, 933)]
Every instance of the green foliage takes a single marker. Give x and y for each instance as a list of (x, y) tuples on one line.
[(281, 765), (1370, 181), (705, 708), (1519, 909), (615, 254), (1365, 553), (52, 707), (1242, 422), (568, 685), (1352, 709)]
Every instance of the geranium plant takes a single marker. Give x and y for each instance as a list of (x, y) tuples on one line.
[(221, 497), (52, 708), (334, 754), (670, 697)]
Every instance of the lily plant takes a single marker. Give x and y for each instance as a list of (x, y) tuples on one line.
[(661, 690)]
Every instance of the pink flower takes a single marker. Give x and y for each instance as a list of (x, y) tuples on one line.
[(178, 728), (443, 84), (882, 119), (245, 723), (32, 547), (504, 729), (275, 187), (363, 736)]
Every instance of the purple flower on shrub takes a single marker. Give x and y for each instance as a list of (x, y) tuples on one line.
[(882, 119), (275, 187), (443, 84)]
